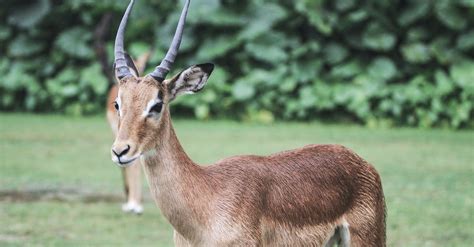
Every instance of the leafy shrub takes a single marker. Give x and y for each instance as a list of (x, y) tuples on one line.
[(378, 62)]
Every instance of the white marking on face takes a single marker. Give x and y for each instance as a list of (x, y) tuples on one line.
[(119, 103), (115, 159), (150, 104), (125, 160)]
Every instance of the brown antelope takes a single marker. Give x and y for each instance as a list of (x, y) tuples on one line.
[(317, 195), (131, 174)]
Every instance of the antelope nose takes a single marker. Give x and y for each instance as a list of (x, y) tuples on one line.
[(120, 150)]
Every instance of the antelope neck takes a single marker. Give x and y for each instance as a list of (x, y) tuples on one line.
[(176, 182), (168, 152)]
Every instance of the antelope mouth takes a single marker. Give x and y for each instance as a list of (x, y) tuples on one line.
[(123, 161)]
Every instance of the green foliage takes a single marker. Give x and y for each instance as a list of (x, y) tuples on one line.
[(375, 62), (74, 42), (28, 15)]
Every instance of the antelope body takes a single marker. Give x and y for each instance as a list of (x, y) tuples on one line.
[(318, 195)]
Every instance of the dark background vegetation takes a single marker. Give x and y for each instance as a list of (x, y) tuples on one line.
[(377, 62)]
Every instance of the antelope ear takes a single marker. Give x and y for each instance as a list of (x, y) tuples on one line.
[(131, 66), (190, 80)]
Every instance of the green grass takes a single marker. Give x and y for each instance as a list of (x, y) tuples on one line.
[(427, 177)]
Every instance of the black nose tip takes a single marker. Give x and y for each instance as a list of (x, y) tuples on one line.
[(121, 152)]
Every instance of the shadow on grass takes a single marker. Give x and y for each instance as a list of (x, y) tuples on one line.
[(57, 195)]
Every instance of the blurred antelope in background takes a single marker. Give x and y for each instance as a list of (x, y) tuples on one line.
[(132, 174), (317, 195)]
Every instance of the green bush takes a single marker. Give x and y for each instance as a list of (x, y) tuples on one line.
[(380, 62)]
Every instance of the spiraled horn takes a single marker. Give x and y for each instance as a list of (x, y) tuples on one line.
[(121, 67), (162, 70)]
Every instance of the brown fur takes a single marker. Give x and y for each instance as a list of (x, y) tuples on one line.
[(299, 197)]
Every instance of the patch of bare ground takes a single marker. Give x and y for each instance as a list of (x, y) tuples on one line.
[(59, 195)]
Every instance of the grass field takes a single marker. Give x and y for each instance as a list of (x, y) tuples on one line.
[(427, 177)]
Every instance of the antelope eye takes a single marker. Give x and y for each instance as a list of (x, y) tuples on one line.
[(156, 108), (116, 106)]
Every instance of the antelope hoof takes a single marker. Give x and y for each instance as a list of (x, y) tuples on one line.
[(132, 207)]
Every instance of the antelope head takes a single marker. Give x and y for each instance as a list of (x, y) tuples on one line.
[(142, 102)]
